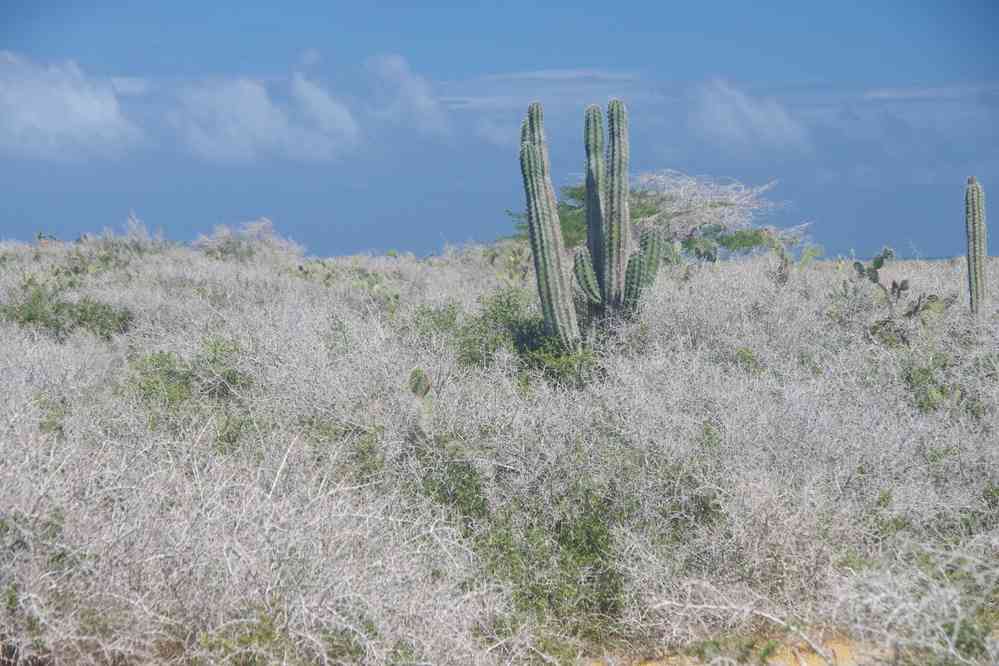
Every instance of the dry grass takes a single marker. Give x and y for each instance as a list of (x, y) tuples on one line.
[(235, 475)]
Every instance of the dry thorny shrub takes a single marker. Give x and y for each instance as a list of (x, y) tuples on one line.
[(236, 474)]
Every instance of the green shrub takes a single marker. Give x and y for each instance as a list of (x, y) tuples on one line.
[(573, 369), (365, 460), (562, 568), (54, 413), (746, 359), (503, 323), (450, 478), (506, 322), (216, 371), (40, 306), (95, 259), (435, 320), (230, 425), (925, 381), (256, 640), (164, 378), (372, 283)]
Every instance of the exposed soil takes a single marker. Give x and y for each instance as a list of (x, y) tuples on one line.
[(839, 650)]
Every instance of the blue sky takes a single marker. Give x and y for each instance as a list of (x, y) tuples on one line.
[(368, 126)]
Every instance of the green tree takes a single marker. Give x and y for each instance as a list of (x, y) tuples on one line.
[(571, 216), (703, 244)]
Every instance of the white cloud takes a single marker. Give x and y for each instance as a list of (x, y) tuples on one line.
[(561, 91), (563, 75), (939, 93), (329, 115), (486, 102), (410, 100), (130, 85), (238, 121), (731, 118), (56, 112), (504, 135)]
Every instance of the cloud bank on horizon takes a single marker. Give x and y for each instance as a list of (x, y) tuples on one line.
[(56, 111)]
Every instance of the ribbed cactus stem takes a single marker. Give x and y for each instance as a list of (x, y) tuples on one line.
[(974, 221), (593, 138), (586, 277), (546, 241), (617, 220), (533, 131), (653, 247), (633, 281), (643, 267), (608, 274)]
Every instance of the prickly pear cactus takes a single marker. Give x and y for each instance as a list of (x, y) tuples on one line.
[(419, 383)]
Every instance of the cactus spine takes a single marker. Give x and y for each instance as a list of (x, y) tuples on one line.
[(608, 274), (974, 221), (545, 233)]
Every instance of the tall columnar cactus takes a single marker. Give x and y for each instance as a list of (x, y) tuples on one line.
[(606, 271), (545, 233), (593, 140), (610, 276), (974, 221)]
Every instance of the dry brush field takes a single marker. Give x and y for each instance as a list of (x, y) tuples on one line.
[(212, 454)]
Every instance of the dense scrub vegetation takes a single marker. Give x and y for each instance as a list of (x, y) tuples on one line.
[(222, 453)]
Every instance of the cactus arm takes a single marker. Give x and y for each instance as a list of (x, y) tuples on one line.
[(616, 222), (533, 131), (974, 220), (586, 278), (633, 282), (593, 137), (543, 229), (652, 247), (643, 267)]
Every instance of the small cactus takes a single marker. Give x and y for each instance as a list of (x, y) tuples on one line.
[(871, 273), (974, 221), (419, 383)]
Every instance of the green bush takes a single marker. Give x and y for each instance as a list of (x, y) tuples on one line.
[(162, 377), (503, 323), (573, 369), (166, 378), (40, 306), (746, 359), (430, 320), (216, 370), (571, 216), (506, 322), (562, 567), (451, 479)]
